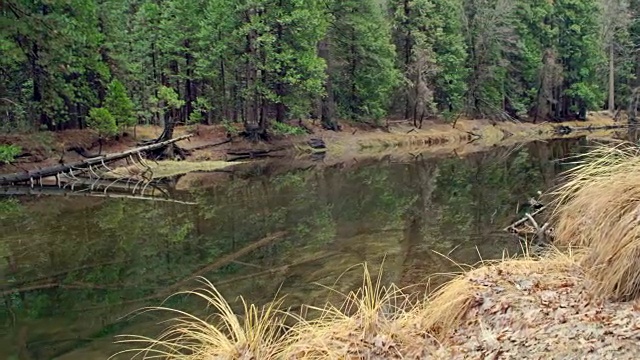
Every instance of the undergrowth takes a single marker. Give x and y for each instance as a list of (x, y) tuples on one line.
[(8, 153)]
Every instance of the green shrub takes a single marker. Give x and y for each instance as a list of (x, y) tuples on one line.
[(229, 128), (280, 128), (8, 153), (101, 120), (120, 105)]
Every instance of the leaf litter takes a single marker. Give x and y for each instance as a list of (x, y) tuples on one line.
[(537, 315)]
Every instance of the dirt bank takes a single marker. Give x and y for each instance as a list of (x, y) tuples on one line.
[(353, 142)]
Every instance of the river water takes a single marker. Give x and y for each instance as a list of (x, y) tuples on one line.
[(72, 268)]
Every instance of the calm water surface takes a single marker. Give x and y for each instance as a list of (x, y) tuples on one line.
[(71, 268)]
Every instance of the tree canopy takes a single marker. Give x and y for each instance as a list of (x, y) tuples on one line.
[(262, 62)]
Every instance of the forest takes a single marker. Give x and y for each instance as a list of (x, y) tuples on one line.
[(112, 64)]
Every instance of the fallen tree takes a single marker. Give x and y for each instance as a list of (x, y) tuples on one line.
[(35, 176), (57, 191)]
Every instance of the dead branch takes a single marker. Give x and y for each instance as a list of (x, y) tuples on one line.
[(50, 277), (533, 221), (210, 145), (72, 286), (275, 270), (524, 219), (31, 176), (225, 260)]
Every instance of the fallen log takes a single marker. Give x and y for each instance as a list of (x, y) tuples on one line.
[(30, 176), (57, 191), (565, 130), (251, 154), (206, 146)]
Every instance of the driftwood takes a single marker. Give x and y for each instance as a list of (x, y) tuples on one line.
[(542, 234), (35, 176), (52, 277), (206, 146), (279, 269), (564, 129), (524, 219), (225, 260), (251, 153)]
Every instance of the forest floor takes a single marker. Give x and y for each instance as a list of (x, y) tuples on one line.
[(354, 142)]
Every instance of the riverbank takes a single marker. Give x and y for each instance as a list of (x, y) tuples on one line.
[(357, 141), (578, 302)]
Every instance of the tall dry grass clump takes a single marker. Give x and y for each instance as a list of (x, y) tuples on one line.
[(364, 325), (598, 207), (255, 334)]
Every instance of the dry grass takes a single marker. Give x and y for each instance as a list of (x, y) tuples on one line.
[(168, 168), (365, 324), (598, 207), (254, 335), (374, 321), (596, 210)]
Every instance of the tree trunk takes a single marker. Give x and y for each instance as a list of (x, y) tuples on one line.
[(407, 54), (155, 77), (188, 83), (612, 103), (327, 102), (280, 88)]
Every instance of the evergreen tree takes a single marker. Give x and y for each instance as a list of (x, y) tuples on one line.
[(491, 39), (119, 104), (365, 74), (431, 51), (260, 61), (580, 51)]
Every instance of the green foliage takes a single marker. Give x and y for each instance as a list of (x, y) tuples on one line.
[(431, 48), (361, 42), (229, 128), (580, 50), (280, 128), (119, 104), (101, 120), (256, 61), (169, 98), (9, 152)]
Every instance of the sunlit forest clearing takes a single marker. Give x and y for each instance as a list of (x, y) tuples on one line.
[(584, 287)]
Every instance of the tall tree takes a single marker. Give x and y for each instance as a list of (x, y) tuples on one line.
[(580, 51), (617, 43), (489, 26), (365, 74), (431, 52), (52, 67)]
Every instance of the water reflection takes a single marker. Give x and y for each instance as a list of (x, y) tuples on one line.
[(72, 267)]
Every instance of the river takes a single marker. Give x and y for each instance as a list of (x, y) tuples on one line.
[(72, 268)]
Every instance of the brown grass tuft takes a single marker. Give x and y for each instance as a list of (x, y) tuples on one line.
[(256, 334), (365, 323), (598, 207), (375, 321)]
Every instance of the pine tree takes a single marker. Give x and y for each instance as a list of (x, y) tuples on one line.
[(365, 74), (580, 51), (119, 104), (491, 42), (432, 54)]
